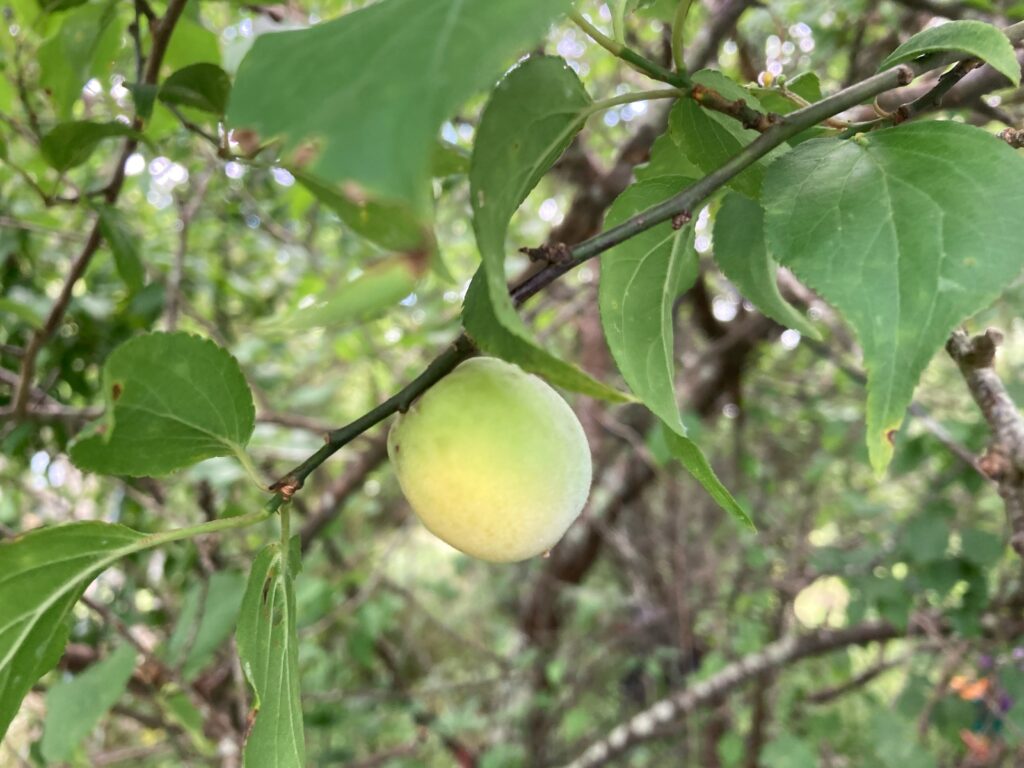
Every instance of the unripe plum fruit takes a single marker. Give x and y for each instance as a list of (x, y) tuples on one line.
[(493, 461)]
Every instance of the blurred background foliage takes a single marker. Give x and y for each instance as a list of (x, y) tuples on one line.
[(410, 653)]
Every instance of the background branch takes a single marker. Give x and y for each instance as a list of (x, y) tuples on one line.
[(161, 39), (1004, 460), (773, 656)]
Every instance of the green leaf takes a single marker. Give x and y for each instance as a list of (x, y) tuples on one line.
[(896, 743), (268, 649), (640, 281), (531, 118), (696, 463), (27, 312), (54, 6), (42, 575), (907, 232), (448, 160), (925, 539), (183, 713), (68, 145), (741, 254), (84, 45), (393, 226), (172, 399), (208, 616), (417, 62), (493, 338), (787, 751), (807, 86), (124, 246), (202, 86), (74, 707), (378, 289), (191, 43), (709, 139), (982, 548), (975, 38), (668, 158), (144, 96)]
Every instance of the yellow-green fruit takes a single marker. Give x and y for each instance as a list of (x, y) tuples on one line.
[(493, 461)]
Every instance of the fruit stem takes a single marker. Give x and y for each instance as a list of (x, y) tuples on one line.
[(400, 402)]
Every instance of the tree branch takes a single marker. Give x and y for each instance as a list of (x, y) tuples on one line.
[(830, 694), (773, 656), (334, 499), (681, 203), (161, 39), (187, 212), (962, 94), (1004, 460)]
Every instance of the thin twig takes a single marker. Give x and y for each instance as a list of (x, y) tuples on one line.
[(28, 226), (187, 212), (333, 501), (628, 55), (773, 656), (161, 39), (830, 694), (1004, 460), (933, 98)]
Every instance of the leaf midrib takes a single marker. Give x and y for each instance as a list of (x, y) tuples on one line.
[(68, 586)]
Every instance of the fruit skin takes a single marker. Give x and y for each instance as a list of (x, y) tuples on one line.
[(493, 461)]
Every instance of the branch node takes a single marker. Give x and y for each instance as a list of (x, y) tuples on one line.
[(976, 352), (287, 486), (900, 115), (995, 464), (681, 219), (738, 108), (1003, 462), (551, 253), (1013, 136)]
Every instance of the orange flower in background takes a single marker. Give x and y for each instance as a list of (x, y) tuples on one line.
[(978, 746), (969, 690)]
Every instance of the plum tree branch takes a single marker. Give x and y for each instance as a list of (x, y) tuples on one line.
[(778, 133), (161, 39), (773, 656), (830, 694), (334, 498), (681, 203), (706, 97), (461, 349), (1004, 460)]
